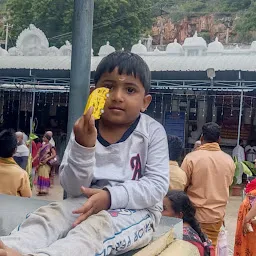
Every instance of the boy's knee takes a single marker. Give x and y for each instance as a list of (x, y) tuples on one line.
[(98, 224)]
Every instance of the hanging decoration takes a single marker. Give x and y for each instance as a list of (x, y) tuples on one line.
[(178, 105), (250, 115), (186, 111), (232, 105), (45, 99), (162, 104), (171, 103), (31, 98), (2, 109), (38, 99), (8, 103), (154, 111), (25, 102), (195, 114), (52, 99), (13, 100), (222, 107), (214, 106), (66, 102), (59, 99), (204, 107)]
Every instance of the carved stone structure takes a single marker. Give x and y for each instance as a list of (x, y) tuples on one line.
[(195, 46), (32, 42), (149, 43), (253, 48), (53, 51), (66, 49), (139, 48), (3, 52), (106, 49), (174, 48), (215, 48), (14, 51)]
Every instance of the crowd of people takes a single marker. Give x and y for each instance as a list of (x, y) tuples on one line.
[(244, 153), (16, 150), (205, 175), (119, 174)]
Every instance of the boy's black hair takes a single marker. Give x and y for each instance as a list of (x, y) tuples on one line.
[(211, 132), (175, 147), (8, 143), (127, 63)]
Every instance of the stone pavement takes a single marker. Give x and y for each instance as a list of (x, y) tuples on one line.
[(56, 194)]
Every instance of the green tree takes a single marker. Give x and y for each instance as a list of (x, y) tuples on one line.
[(48, 15), (246, 25), (235, 5), (121, 22)]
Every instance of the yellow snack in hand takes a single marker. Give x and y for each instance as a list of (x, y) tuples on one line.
[(97, 100)]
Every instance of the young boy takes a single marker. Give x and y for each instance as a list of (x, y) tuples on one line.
[(120, 164), (13, 180)]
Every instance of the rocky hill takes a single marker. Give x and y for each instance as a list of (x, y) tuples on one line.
[(231, 20), (209, 26)]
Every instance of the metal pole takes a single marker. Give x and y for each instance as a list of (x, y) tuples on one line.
[(33, 110), (19, 105), (240, 116), (81, 59), (6, 36), (32, 116)]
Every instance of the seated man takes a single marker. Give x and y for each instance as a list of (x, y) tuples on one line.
[(178, 178), (22, 152), (13, 180)]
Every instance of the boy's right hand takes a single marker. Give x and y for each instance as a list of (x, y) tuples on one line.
[(85, 130)]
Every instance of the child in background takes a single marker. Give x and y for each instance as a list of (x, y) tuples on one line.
[(13, 179), (116, 169), (178, 205)]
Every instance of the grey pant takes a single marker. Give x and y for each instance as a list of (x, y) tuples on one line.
[(48, 231)]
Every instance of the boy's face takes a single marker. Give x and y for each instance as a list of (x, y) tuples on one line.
[(126, 98)]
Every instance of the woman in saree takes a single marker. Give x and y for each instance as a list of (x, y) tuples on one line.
[(246, 225), (45, 154)]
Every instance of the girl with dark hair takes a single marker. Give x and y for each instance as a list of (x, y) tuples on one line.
[(178, 205)]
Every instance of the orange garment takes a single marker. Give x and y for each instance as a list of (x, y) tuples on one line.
[(245, 245), (178, 178), (210, 172), (13, 179)]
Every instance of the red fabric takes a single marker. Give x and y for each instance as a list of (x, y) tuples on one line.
[(199, 247), (250, 186), (191, 236), (35, 149)]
